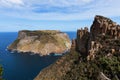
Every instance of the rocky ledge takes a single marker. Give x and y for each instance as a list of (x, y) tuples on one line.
[(42, 42), (94, 55)]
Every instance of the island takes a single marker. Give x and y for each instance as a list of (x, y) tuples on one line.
[(42, 42), (94, 55)]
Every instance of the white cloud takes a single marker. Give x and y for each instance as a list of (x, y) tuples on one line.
[(10, 3), (87, 0), (67, 3), (57, 3), (59, 9), (15, 1)]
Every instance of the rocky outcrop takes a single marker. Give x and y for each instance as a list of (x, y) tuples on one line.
[(104, 26), (102, 76), (94, 55), (102, 29), (88, 43), (41, 42), (73, 43), (82, 39)]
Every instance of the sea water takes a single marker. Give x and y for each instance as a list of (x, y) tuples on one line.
[(22, 66)]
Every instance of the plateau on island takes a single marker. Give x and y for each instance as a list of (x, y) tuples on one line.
[(42, 42)]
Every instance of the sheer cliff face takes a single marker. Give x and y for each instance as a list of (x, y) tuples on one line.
[(82, 40), (94, 55), (102, 30), (104, 26), (41, 42)]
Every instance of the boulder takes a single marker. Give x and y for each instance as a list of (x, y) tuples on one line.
[(102, 76)]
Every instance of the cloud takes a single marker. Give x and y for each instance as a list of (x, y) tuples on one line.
[(14, 1), (59, 9), (11, 3)]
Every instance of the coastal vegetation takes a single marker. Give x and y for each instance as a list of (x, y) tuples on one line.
[(94, 55), (1, 72)]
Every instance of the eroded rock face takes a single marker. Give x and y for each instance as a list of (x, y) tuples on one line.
[(102, 30), (73, 44), (94, 55), (41, 42), (104, 26), (82, 40), (88, 43)]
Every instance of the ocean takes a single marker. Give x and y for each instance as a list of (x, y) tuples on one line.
[(22, 66)]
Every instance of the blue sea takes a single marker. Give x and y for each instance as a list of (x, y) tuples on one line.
[(22, 66)]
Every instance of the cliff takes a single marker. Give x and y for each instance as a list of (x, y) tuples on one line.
[(94, 55), (41, 42), (82, 40)]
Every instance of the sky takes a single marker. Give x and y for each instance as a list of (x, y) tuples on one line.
[(64, 15)]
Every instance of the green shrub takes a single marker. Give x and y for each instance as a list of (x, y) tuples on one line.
[(1, 72)]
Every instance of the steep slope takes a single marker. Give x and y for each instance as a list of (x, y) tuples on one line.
[(94, 55), (41, 42), (59, 69)]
